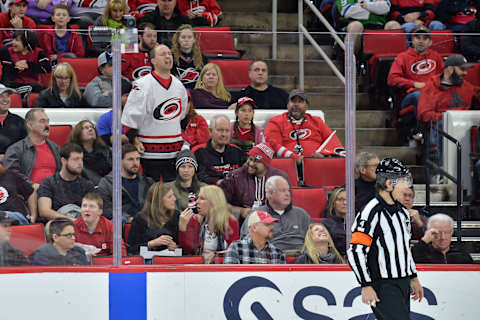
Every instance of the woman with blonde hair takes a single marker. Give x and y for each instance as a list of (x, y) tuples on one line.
[(188, 60), (209, 92), (318, 247), (112, 18), (63, 90), (213, 229), (335, 222), (97, 157)]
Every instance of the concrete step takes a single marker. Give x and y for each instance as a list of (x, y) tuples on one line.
[(284, 51), (407, 155), (314, 83), (364, 119), (259, 20), (370, 136), (257, 37), (291, 67), (335, 100), (257, 6)]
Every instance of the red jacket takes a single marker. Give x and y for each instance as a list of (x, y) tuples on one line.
[(138, 8), (48, 41), (101, 238), (210, 9), (190, 242), (410, 67), (402, 7), (280, 133), (7, 35), (196, 131), (436, 99)]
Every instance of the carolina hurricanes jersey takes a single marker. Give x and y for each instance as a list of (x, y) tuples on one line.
[(156, 111), (139, 7), (313, 134), (136, 65)]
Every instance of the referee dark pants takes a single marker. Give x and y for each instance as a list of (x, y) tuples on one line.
[(394, 295), (159, 168)]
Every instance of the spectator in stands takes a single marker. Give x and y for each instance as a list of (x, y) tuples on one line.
[(42, 11), (85, 13), (153, 112), (63, 90), (411, 69), (217, 157), (201, 12), (186, 186), (62, 250), (470, 41), (335, 218), (112, 18), (209, 92), (245, 187), (97, 157), (104, 123), (256, 248), (13, 19), (455, 14), (194, 126), (435, 246), (365, 165), (17, 196), (93, 229), (289, 234), (134, 186), (418, 221), (297, 134), (448, 91), (60, 195), (98, 92), (188, 60), (60, 42), (137, 64), (23, 61), (359, 15), (138, 8), (264, 94), (12, 128), (156, 226), (9, 255), (212, 230), (244, 133), (166, 16), (22, 155), (318, 247)]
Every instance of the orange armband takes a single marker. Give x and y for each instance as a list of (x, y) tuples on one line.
[(361, 238)]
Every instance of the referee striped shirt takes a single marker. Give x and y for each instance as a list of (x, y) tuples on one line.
[(380, 245)]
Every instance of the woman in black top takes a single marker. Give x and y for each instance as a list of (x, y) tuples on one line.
[(335, 222), (318, 247)]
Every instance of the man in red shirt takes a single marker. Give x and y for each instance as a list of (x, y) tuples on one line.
[(93, 229), (13, 19)]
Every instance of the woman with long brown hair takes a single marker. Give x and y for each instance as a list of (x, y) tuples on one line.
[(318, 247), (209, 92)]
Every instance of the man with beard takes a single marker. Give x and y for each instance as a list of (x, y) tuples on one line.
[(256, 249), (60, 195), (244, 187), (297, 134), (134, 185), (35, 156)]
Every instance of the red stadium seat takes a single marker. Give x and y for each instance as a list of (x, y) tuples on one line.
[(44, 79), (324, 172), (290, 259), (178, 260), (443, 42), (15, 101), (108, 260), (218, 260), (31, 98), (85, 69), (60, 134), (27, 238), (126, 231), (234, 72), (312, 200), (289, 166), (217, 42)]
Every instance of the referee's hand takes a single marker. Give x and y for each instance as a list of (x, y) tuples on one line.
[(369, 296), (417, 289)]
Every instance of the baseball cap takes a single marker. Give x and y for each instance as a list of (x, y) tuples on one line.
[(298, 92), (260, 216), (244, 100), (457, 60), (3, 89), (18, 1), (422, 29), (262, 152), (6, 218), (104, 57)]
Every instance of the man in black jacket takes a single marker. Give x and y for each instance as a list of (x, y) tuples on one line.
[(9, 256), (12, 127)]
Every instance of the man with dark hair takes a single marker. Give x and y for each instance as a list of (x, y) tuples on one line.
[(9, 256), (60, 195), (379, 252), (134, 185), (35, 156)]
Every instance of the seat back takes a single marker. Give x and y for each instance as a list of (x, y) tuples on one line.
[(27, 238), (443, 42), (234, 72), (108, 260), (15, 101), (126, 231), (312, 200), (377, 42), (178, 260), (85, 68), (290, 259), (289, 166), (473, 75), (324, 172), (217, 42), (31, 99), (60, 134)]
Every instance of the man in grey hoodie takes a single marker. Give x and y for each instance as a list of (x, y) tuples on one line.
[(98, 92)]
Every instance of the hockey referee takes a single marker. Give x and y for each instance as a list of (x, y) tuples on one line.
[(379, 252)]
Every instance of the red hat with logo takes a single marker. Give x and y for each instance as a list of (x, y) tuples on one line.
[(260, 216), (263, 153)]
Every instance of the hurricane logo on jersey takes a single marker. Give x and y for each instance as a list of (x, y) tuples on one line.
[(424, 67), (3, 195), (302, 134), (188, 75), (168, 110), (141, 71)]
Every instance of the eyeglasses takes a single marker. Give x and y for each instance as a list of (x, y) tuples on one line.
[(62, 78), (68, 235), (443, 233), (341, 199), (88, 127)]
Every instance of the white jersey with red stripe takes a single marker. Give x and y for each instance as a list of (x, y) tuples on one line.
[(156, 111)]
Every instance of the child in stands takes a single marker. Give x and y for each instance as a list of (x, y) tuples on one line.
[(13, 19), (244, 133)]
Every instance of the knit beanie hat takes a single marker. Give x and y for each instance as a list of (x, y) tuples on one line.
[(263, 153), (186, 156)]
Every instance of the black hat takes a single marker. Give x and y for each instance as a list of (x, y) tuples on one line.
[(186, 156), (457, 60), (6, 218), (392, 167), (126, 86)]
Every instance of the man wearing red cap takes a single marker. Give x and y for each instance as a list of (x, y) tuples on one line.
[(256, 249), (13, 19), (244, 187)]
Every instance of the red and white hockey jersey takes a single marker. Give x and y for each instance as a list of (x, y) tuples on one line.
[(136, 65), (138, 8), (156, 111), (210, 9), (312, 133)]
